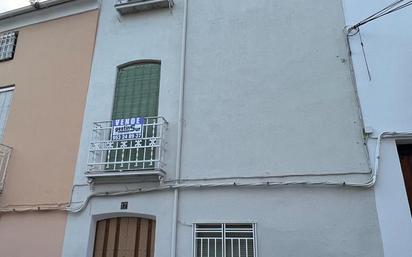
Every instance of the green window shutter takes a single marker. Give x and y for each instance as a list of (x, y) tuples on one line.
[(137, 91), (136, 95)]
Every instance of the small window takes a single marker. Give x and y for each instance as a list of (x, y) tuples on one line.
[(225, 240), (6, 95), (7, 45)]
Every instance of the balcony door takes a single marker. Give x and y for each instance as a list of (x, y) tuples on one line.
[(125, 237), (136, 95), (137, 91)]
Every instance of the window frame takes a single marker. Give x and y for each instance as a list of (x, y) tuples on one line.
[(4, 89), (143, 153), (224, 235), (15, 36), (7, 88), (404, 150), (120, 67)]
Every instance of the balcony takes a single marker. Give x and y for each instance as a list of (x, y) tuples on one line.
[(132, 6), (127, 149), (5, 152)]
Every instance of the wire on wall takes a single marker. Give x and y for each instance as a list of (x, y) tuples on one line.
[(395, 6), (364, 56)]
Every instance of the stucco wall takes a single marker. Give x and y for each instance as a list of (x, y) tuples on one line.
[(51, 71), (152, 35), (283, 98), (274, 89), (385, 105), (298, 222), (265, 94), (39, 234), (392, 202)]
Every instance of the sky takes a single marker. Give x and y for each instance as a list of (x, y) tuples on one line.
[(7, 5)]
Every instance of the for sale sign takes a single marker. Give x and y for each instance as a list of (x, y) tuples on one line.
[(124, 129)]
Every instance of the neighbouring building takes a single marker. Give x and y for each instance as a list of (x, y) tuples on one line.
[(222, 129), (45, 60), (381, 53)]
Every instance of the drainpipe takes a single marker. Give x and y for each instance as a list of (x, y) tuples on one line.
[(385, 134), (179, 131)]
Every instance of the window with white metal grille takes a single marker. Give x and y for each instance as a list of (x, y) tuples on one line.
[(6, 95), (7, 45), (225, 240)]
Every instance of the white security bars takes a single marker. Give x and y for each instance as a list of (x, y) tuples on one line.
[(7, 45), (225, 240), (111, 151)]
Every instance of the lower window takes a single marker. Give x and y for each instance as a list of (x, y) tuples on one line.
[(225, 240)]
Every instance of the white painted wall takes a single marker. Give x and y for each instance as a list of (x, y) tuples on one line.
[(386, 107), (273, 89), (298, 222), (268, 92)]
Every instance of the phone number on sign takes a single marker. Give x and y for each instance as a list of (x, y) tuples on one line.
[(126, 136)]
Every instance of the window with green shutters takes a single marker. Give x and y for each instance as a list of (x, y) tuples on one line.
[(136, 95), (137, 91)]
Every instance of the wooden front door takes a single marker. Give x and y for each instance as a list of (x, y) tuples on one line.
[(125, 237)]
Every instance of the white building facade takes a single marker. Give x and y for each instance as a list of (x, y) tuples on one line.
[(383, 80), (263, 151)]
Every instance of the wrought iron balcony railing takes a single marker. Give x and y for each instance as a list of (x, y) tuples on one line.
[(5, 152), (127, 146)]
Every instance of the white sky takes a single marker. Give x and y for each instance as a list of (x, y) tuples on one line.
[(7, 5)]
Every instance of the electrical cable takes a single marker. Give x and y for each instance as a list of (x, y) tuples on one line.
[(175, 186), (368, 184), (395, 6), (364, 56), (355, 29)]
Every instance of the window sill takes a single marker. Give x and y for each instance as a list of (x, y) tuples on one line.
[(134, 7)]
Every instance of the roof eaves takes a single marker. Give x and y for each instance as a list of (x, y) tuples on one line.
[(32, 8)]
